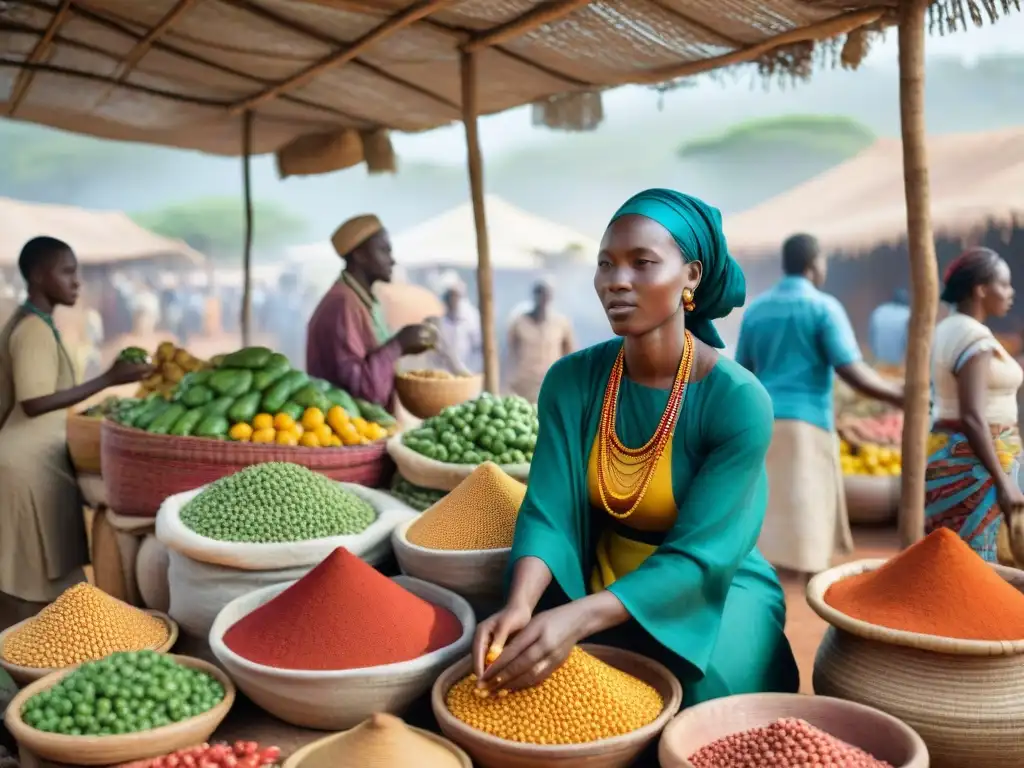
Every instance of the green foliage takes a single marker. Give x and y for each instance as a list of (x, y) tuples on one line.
[(216, 225), (837, 135)]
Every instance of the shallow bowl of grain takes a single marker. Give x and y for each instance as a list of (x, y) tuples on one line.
[(24, 675), (476, 574), (318, 753), (872, 730), (334, 700), (111, 750), (425, 397), (617, 752)]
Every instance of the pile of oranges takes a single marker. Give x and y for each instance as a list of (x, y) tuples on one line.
[(314, 430)]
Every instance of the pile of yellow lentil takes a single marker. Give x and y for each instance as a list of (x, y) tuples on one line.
[(83, 624), (584, 700), (480, 513)]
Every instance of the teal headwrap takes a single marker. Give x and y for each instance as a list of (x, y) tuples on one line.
[(697, 230)]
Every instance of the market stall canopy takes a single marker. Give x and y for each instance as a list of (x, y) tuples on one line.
[(97, 237), (328, 74), (977, 181)]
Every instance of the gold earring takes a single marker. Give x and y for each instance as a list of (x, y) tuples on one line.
[(688, 304)]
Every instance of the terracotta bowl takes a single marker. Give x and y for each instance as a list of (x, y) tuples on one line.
[(872, 730), (491, 752)]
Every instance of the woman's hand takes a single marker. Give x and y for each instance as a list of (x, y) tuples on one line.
[(536, 651), (126, 373), (495, 632), (1010, 499)]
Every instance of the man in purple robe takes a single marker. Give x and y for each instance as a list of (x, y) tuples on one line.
[(348, 342)]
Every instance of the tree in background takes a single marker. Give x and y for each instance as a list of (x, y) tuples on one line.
[(216, 225)]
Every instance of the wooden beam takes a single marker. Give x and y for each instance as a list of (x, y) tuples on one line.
[(924, 270), (545, 13), (246, 319), (142, 46), (484, 273), (823, 30), (24, 80), (409, 16)]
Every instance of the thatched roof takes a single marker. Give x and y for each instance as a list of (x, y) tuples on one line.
[(977, 181), (97, 237), (183, 72)]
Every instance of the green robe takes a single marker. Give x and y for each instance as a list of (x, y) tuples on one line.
[(706, 603)]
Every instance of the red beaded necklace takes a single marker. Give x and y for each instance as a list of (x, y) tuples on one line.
[(634, 467)]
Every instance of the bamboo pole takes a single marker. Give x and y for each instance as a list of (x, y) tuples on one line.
[(484, 276), (246, 321), (924, 271)]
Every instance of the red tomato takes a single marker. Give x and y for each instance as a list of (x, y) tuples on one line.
[(269, 755), (172, 760), (229, 761), (249, 761), (239, 748), (251, 748), (188, 760), (206, 762)]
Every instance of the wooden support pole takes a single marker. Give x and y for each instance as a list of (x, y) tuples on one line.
[(924, 270), (247, 130), (484, 276)]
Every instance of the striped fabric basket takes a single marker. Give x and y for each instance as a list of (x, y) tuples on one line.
[(141, 470)]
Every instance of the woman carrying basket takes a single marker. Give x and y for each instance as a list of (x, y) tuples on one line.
[(647, 489)]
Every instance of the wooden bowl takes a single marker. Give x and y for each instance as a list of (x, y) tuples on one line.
[(617, 752), (872, 730), (424, 398), (872, 500), (24, 675), (298, 759), (111, 750)]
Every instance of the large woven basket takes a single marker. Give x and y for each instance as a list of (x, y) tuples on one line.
[(141, 470), (964, 697), (84, 443), (424, 398)]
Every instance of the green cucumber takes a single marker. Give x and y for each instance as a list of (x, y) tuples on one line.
[(244, 408), (283, 389), (231, 382), (252, 358), (218, 407), (189, 420), (213, 426), (163, 423)]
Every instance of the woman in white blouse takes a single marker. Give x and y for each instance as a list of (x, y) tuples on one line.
[(975, 444)]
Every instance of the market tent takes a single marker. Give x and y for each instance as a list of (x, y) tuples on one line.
[(97, 237), (977, 181)]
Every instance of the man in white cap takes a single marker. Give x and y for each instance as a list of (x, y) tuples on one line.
[(348, 342)]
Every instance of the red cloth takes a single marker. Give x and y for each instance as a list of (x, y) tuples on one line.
[(342, 348)]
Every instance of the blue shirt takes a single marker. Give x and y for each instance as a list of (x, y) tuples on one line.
[(793, 337), (888, 332)]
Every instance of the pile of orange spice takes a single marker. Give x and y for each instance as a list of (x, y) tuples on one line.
[(939, 586)]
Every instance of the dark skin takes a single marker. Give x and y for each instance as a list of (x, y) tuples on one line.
[(859, 375), (371, 262), (541, 303), (640, 279), (991, 299), (53, 284)]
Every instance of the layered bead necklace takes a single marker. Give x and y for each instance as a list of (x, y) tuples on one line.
[(633, 468)]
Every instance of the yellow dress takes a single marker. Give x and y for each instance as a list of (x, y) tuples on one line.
[(616, 554)]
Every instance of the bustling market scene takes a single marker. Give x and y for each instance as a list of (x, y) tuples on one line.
[(511, 384)]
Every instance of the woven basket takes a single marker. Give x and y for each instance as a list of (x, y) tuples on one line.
[(964, 697), (871, 500), (424, 398), (111, 750), (143, 469), (438, 475), (84, 443), (617, 752)]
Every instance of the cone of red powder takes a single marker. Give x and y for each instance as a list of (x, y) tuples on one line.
[(343, 614)]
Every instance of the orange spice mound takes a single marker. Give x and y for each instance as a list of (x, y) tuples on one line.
[(939, 586)]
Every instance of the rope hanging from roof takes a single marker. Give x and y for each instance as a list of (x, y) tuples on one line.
[(952, 15)]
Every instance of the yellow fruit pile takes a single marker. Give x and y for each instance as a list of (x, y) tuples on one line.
[(83, 624), (171, 363), (583, 700), (313, 430), (870, 459)]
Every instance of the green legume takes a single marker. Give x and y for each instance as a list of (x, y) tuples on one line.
[(276, 502)]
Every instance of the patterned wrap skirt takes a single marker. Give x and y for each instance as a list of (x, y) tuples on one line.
[(960, 493)]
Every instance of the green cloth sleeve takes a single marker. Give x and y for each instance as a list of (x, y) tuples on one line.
[(678, 594)]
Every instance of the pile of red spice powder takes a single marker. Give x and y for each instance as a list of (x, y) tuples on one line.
[(342, 615), (786, 743), (939, 586)]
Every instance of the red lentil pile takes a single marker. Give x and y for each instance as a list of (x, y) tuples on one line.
[(786, 743)]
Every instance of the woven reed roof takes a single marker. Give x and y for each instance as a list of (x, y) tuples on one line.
[(97, 237), (183, 72), (977, 181)]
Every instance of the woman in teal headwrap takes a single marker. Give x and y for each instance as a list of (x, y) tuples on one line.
[(643, 508)]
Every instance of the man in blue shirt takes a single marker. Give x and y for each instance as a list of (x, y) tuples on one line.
[(795, 338), (887, 329)]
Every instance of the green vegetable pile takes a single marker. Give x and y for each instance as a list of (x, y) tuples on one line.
[(415, 496), (253, 380), (113, 408), (134, 355), (123, 693), (276, 502), (498, 429)]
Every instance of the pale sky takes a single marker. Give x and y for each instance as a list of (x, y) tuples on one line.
[(511, 129)]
